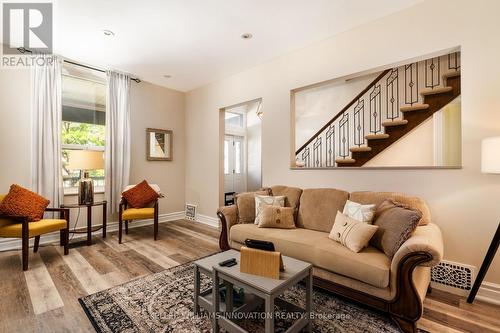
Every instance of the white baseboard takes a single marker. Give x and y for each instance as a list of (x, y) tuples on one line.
[(7, 244), (489, 292), (208, 220)]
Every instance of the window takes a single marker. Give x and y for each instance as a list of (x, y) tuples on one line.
[(234, 119), (83, 126)]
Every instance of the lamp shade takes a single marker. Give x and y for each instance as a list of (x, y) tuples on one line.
[(86, 160), (490, 155)]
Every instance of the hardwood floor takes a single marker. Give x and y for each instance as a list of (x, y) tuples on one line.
[(45, 298)]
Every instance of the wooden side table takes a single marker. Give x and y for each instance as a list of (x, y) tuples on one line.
[(91, 229)]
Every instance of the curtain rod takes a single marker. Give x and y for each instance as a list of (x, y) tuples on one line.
[(24, 50)]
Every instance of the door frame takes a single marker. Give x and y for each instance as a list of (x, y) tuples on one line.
[(222, 133)]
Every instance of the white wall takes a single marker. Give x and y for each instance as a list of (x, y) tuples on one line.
[(317, 105), (254, 149), (463, 202), (414, 149)]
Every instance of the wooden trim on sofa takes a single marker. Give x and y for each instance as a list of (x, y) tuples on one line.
[(405, 308), (223, 242)]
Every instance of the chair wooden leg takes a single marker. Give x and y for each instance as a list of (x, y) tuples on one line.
[(25, 251), (61, 237), (155, 225), (126, 227), (120, 222), (66, 242), (155, 220), (37, 242)]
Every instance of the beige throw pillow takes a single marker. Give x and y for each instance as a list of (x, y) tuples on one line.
[(396, 223), (353, 234), (262, 201), (359, 212), (276, 217)]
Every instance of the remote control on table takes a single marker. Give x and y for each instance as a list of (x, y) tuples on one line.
[(231, 264), (228, 262)]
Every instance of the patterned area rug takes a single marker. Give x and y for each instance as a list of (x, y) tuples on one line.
[(162, 302)]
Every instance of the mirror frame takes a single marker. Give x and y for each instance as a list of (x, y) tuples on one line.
[(148, 152)]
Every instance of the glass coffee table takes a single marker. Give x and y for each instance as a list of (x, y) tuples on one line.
[(257, 289)]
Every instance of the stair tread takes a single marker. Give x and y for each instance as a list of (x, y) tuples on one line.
[(451, 74), (360, 149), (414, 107), (435, 91), (345, 160), (395, 123), (377, 136)]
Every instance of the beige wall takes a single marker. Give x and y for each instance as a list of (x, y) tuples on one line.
[(463, 202), (151, 106), (157, 107)]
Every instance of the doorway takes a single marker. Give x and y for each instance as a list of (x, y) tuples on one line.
[(240, 149), (234, 173)]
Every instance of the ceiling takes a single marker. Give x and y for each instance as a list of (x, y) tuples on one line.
[(198, 41)]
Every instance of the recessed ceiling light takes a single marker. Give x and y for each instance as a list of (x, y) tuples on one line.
[(167, 76), (246, 36), (108, 33)]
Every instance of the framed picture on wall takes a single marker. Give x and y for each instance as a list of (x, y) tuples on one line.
[(159, 144)]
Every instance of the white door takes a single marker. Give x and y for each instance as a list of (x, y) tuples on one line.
[(234, 169)]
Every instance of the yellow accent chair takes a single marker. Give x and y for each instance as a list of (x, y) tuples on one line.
[(19, 227), (126, 215)]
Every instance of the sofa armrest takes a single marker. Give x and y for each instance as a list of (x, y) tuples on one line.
[(228, 216), (427, 239)]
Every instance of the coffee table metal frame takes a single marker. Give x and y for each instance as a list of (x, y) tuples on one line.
[(256, 288)]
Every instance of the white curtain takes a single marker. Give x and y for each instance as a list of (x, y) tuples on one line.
[(117, 137), (46, 128)]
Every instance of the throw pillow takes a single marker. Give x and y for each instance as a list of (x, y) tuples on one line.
[(353, 234), (396, 223), (276, 217), (245, 202), (22, 202), (262, 201), (140, 195), (357, 211)]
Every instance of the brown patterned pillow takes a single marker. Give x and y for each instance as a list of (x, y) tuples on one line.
[(396, 222), (140, 195), (22, 202), (245, 202)]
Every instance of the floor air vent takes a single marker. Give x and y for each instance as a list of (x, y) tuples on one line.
[(453, 274), (190, 212)]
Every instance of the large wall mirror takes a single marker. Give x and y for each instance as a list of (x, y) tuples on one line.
[(407, 115)]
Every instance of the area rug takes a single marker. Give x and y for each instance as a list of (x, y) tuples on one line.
[(162, 302)]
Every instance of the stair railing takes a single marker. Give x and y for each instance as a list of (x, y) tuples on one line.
[(376, 104)]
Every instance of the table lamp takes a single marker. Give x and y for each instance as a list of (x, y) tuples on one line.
[(490, 163), (85, 160)]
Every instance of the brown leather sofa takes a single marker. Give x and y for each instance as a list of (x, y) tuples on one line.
[(397, 287)]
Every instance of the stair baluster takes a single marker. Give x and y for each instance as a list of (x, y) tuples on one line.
[(359, 123)]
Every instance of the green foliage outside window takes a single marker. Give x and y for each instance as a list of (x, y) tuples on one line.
[(81, 134)]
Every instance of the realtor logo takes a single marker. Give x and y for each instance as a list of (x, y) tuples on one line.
[(27, 25)]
